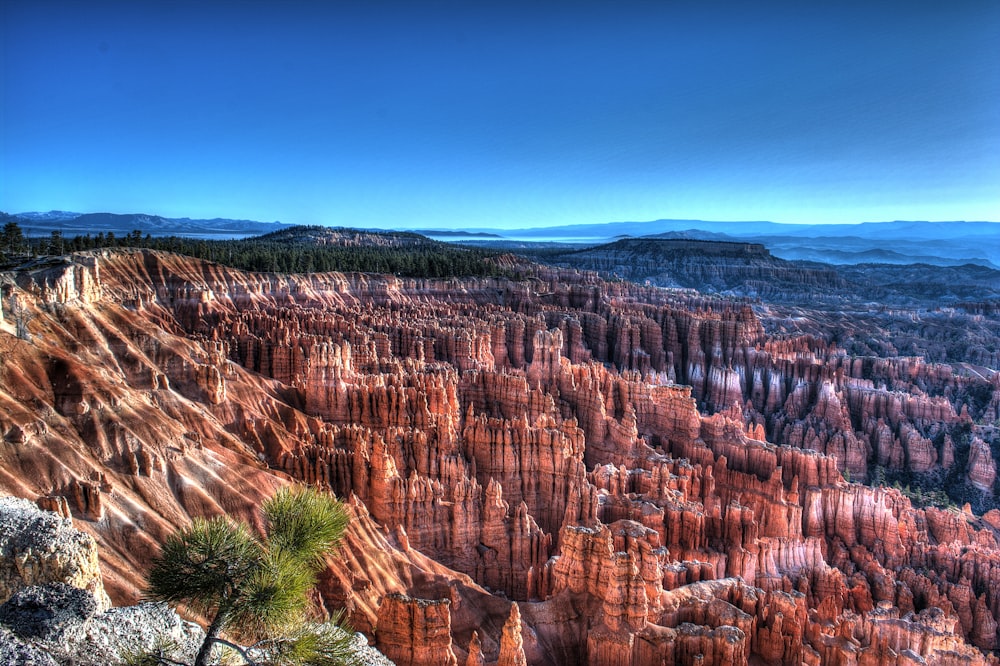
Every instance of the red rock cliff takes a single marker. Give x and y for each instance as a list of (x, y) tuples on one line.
[(510, 441)]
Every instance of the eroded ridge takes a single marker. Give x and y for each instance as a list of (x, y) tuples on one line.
[(561, 470)]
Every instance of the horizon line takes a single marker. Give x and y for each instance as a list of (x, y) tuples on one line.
[(511, 228)]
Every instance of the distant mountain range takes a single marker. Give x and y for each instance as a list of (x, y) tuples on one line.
[(73, 224), (899, 242)]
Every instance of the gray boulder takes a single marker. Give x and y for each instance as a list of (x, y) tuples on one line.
[(15, 651), (58, 624), (51, 612)]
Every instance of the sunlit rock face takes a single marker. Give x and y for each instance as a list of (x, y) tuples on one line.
[(612, 474)]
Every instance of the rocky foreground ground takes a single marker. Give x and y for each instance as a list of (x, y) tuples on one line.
[(554, 471), (55, 611)]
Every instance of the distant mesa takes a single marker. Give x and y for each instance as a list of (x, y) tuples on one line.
[(751, 270), (708, 247), (451, 233), (344, 236)]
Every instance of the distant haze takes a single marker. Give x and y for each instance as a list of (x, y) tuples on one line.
[(899, 242), (491, 114)]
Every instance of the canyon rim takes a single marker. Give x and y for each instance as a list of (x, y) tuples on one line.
[(555, 470)]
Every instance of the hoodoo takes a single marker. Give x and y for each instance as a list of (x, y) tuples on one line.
[(561, 470)]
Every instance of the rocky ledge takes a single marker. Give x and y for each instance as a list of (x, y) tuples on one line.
[(54, 611)]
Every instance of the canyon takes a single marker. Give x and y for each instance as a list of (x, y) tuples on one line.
[(561, 469), (943, 314)]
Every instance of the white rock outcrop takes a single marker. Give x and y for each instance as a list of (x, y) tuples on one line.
[(39, 547)]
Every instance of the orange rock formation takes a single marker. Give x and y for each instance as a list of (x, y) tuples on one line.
[(534, 442)]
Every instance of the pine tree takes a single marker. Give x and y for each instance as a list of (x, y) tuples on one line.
[(12, 240), (256, 588), (57, 245)]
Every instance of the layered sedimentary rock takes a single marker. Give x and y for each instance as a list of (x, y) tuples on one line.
[(746, 268), (511, 642), (647, 474), (982, 470), (415, 631)]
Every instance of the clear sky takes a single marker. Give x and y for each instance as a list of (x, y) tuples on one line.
[(496, 114)]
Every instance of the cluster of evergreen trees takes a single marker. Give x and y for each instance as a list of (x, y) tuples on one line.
[(282, 252), (12, 240)]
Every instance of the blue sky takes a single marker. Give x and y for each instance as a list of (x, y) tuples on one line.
[(488, 114)]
